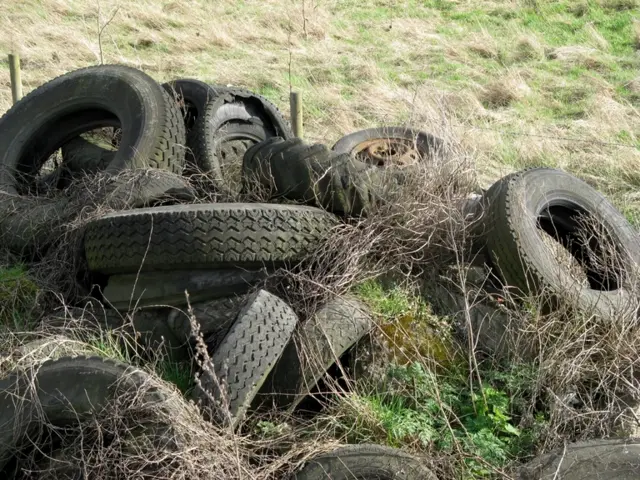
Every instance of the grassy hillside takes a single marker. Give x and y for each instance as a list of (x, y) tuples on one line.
[(516, 83)]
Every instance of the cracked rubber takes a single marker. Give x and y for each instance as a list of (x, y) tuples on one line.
[(515, 243), (366, 462), (240, 116), (69, 391), (168, 288), (205, 236), (317, 343), (250, 349), (610, 459)]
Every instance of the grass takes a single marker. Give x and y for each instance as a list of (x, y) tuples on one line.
[(412, 406), (520, 82), (18, 298)]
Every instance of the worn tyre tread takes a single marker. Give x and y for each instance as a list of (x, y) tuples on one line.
[(204, 236), (317, 344), (506, 243), (166, 155), (251, 348)]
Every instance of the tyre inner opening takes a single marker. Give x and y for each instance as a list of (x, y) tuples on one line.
[(381, 152), (190, 114), (42, 168), (574, 229), (322, 394)]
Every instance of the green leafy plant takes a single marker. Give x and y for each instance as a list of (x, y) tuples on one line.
[(415, 405)]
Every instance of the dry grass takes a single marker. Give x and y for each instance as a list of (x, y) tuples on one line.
[(528, 47), (357, 69), (354, 69), (503, 92)]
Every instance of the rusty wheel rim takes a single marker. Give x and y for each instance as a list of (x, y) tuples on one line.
[(387, 151)]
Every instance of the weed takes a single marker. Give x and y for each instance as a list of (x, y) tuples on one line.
[(413, 405)]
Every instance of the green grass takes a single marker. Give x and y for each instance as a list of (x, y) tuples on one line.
[(445, 407), (18, 298), (177, 373)]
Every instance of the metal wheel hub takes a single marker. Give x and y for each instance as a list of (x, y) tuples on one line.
[(387, 151)]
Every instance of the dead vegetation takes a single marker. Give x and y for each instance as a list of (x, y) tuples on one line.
[(582, 383), (581, 368)]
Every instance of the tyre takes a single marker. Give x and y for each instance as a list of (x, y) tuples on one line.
[(133, 290), (152, 334), (312, 174), (144, 188), (364, 462), (233, 122), (29, 225), (83, 100), (193, 96), (58, 466), (215, 318), (82, 155), (526, 211), (398, 146), (51, 347), (285, 168), (250, 350), (205, 236), (65, 107), (613, 459), (79, 157), (68, 391), (317, 344)]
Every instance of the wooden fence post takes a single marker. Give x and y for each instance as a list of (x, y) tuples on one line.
[(16, 81), (295, 104)]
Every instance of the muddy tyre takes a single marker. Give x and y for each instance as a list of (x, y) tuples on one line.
[(205, 236), (613, 459), (68, 391), (384, 146), (373, 462), (253, 345), (233, 122), (317, 343), (524, 208)]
